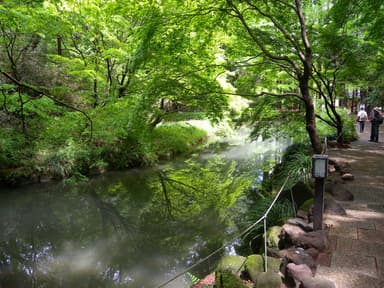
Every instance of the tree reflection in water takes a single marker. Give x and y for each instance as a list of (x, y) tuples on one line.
[(133, 228)]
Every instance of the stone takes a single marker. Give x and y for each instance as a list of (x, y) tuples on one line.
[(311, 282), (273, 264), (331, 169), (298, 256), (315, 239), (269, 279), (298, 272), (254, 266), (292, 230), (273, 252), (339, 192), (342, 167), (227, 279), (314, 253), (288, 235), (301, 192), (233, 264), (303, 224), (307, 205), (333, 208), (302, 215), (273, 236), (347, 177)]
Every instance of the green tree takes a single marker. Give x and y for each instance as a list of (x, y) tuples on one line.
[(277, 41), (363, 22)]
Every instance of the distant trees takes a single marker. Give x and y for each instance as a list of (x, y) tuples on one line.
[(95, 53)]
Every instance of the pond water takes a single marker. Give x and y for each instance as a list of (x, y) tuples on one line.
[(135, 228)]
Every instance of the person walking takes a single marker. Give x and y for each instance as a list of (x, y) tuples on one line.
[(362, 116), (376, 120)]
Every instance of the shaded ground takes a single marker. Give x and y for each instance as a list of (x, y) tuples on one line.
[(357, 240)]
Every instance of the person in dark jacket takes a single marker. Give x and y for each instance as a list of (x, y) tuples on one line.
[(376, 120)]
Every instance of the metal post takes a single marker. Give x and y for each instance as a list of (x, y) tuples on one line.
[(265, 246), (319, 172), (318, 204)]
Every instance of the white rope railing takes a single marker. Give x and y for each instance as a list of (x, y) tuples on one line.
[(262, 218)]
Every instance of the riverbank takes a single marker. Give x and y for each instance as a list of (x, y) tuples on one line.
[(76, 160)]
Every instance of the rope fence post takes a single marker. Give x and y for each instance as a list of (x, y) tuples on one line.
[(265, 246)]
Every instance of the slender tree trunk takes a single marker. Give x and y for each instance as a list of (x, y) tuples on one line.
[(21, 111), (59, 44), (310, 118), (95, 94)]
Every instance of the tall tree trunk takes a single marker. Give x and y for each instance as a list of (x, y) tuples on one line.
[(310, 117)]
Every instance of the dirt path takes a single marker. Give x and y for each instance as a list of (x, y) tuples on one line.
[(357, 240)]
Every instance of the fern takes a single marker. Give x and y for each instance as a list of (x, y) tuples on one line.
[(280, 212), (297, 163)]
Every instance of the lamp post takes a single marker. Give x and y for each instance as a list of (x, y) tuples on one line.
[(319, 172)]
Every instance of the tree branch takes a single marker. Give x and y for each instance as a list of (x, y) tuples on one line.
[(264, 93), (258, 41), (46, 94), (291, 38), (330, 123), (304, 35)]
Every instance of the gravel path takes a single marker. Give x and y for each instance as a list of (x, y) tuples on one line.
[(357, 239)]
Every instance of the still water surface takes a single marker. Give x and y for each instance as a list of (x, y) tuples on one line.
[(135, 228)]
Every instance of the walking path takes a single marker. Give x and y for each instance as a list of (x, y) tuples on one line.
[(357, 239)]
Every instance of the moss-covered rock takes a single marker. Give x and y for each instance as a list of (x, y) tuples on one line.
[(227, 279), (302, 192), (233, 264), (254, 266), (273, 264), (269, 279), (307, 205), (273, 236)]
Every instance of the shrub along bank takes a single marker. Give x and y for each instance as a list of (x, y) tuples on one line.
[(63, 152)]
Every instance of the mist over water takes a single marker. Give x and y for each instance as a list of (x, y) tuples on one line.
[(135, 228)]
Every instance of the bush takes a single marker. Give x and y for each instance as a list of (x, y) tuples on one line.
[(349, 130), (126, 152), (176, 138), (59, 129), (73, 158), (184, 116), (13, 149)]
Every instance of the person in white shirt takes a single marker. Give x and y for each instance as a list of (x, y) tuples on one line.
[(362, 116)]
